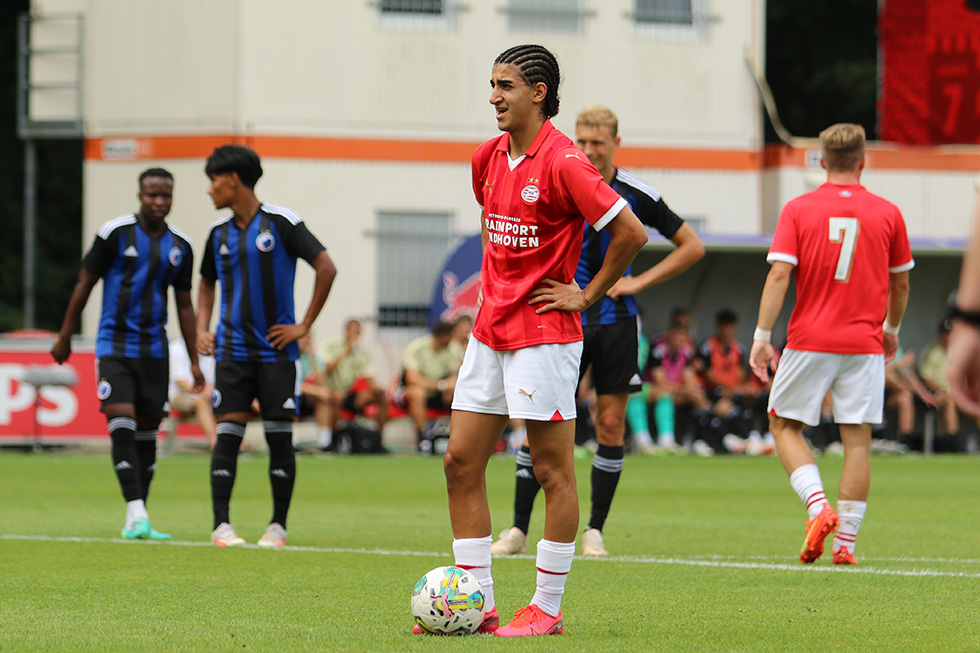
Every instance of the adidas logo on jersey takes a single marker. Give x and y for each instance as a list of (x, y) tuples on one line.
[(635, 380), (289, 404), (223, 250), (131, 252)]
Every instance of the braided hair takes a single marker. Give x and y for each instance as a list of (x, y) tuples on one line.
[(536, 64)]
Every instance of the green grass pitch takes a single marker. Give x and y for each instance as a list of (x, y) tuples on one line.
[(704, 558)]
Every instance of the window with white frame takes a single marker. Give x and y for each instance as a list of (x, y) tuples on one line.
[(664, 12), (545, 15), (411, 6), (424, 15), (411, 250)]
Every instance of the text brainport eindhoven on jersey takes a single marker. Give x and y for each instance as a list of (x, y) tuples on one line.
[(506, 230)]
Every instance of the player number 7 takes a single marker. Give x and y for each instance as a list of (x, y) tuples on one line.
[(844, 231)]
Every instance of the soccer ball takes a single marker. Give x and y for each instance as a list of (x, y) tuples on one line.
[(448, 601)]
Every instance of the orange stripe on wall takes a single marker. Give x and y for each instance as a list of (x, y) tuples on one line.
[(292, 147)]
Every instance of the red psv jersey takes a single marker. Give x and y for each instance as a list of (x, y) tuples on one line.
[(844, 242), (533, 219)]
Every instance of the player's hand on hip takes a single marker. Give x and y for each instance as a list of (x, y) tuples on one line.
[(558, 296), (205, 343), (761, 358), (281, 335), (628, 285)]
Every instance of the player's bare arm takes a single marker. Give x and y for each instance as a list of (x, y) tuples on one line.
[(188, 325), (963, 358), (773, 294), (628, 238), (281, 335), (898, 297), (205, 304), (61, 349), (688, 250)]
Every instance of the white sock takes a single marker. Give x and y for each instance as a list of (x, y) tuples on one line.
[(135, 510), (326, 437), (805, 480), (643, 438), (851, 514), (666, 439), (473, 555), (554, 561)]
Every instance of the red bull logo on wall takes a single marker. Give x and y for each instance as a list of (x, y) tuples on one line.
[(457, 287)]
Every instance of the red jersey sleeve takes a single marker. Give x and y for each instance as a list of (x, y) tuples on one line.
[(900, 253), (581, 189), (479, 166), (785, 241)]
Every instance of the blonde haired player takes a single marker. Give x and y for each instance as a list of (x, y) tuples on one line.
[(849, 252)]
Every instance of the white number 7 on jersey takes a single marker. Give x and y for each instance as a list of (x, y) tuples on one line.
[(845, 231)]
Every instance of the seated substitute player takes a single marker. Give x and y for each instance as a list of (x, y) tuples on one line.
[(721, 364), (610, 332), (429, 368), (849, 252), (350, 383), (254, 343), (138, 256), (185, 402), (538, 193)]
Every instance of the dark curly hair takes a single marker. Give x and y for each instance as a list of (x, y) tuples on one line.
[(536, 64)]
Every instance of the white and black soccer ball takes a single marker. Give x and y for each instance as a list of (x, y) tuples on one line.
[(448, 601)]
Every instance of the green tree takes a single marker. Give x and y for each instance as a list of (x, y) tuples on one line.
[(822, 64), (59, 202)]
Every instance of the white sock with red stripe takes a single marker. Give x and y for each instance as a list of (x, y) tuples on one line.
[(805, 480), (851, 514), (473, 555), (554, 561)]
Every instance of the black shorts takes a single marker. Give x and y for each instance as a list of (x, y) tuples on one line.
[(436, 402), (350, 402), (237, 383), (612, 351), (142, 382)]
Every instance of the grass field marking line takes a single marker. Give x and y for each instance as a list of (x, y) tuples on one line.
[(958, 561), (726, 564)]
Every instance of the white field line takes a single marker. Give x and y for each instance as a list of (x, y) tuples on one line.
[(714, 562)]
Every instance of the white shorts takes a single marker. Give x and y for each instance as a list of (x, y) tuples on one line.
[(856, 383), (537, 383)]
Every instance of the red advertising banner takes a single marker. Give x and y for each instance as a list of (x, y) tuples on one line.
[(930, 77), (63, 413)]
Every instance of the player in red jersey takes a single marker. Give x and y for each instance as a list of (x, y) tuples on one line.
[(537, 191), (850, 254)]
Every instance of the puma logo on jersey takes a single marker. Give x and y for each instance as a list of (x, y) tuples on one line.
[(567, 156), (131, 252), (529, 395)]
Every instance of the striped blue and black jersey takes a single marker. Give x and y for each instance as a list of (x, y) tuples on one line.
[(136, 270), (256, 267), (652, 211)]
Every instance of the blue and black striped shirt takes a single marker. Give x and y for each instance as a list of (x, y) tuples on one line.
[(256, 268), (136, 270), (652, 211)]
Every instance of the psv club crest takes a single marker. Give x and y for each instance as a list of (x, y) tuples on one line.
[(530, 194)]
